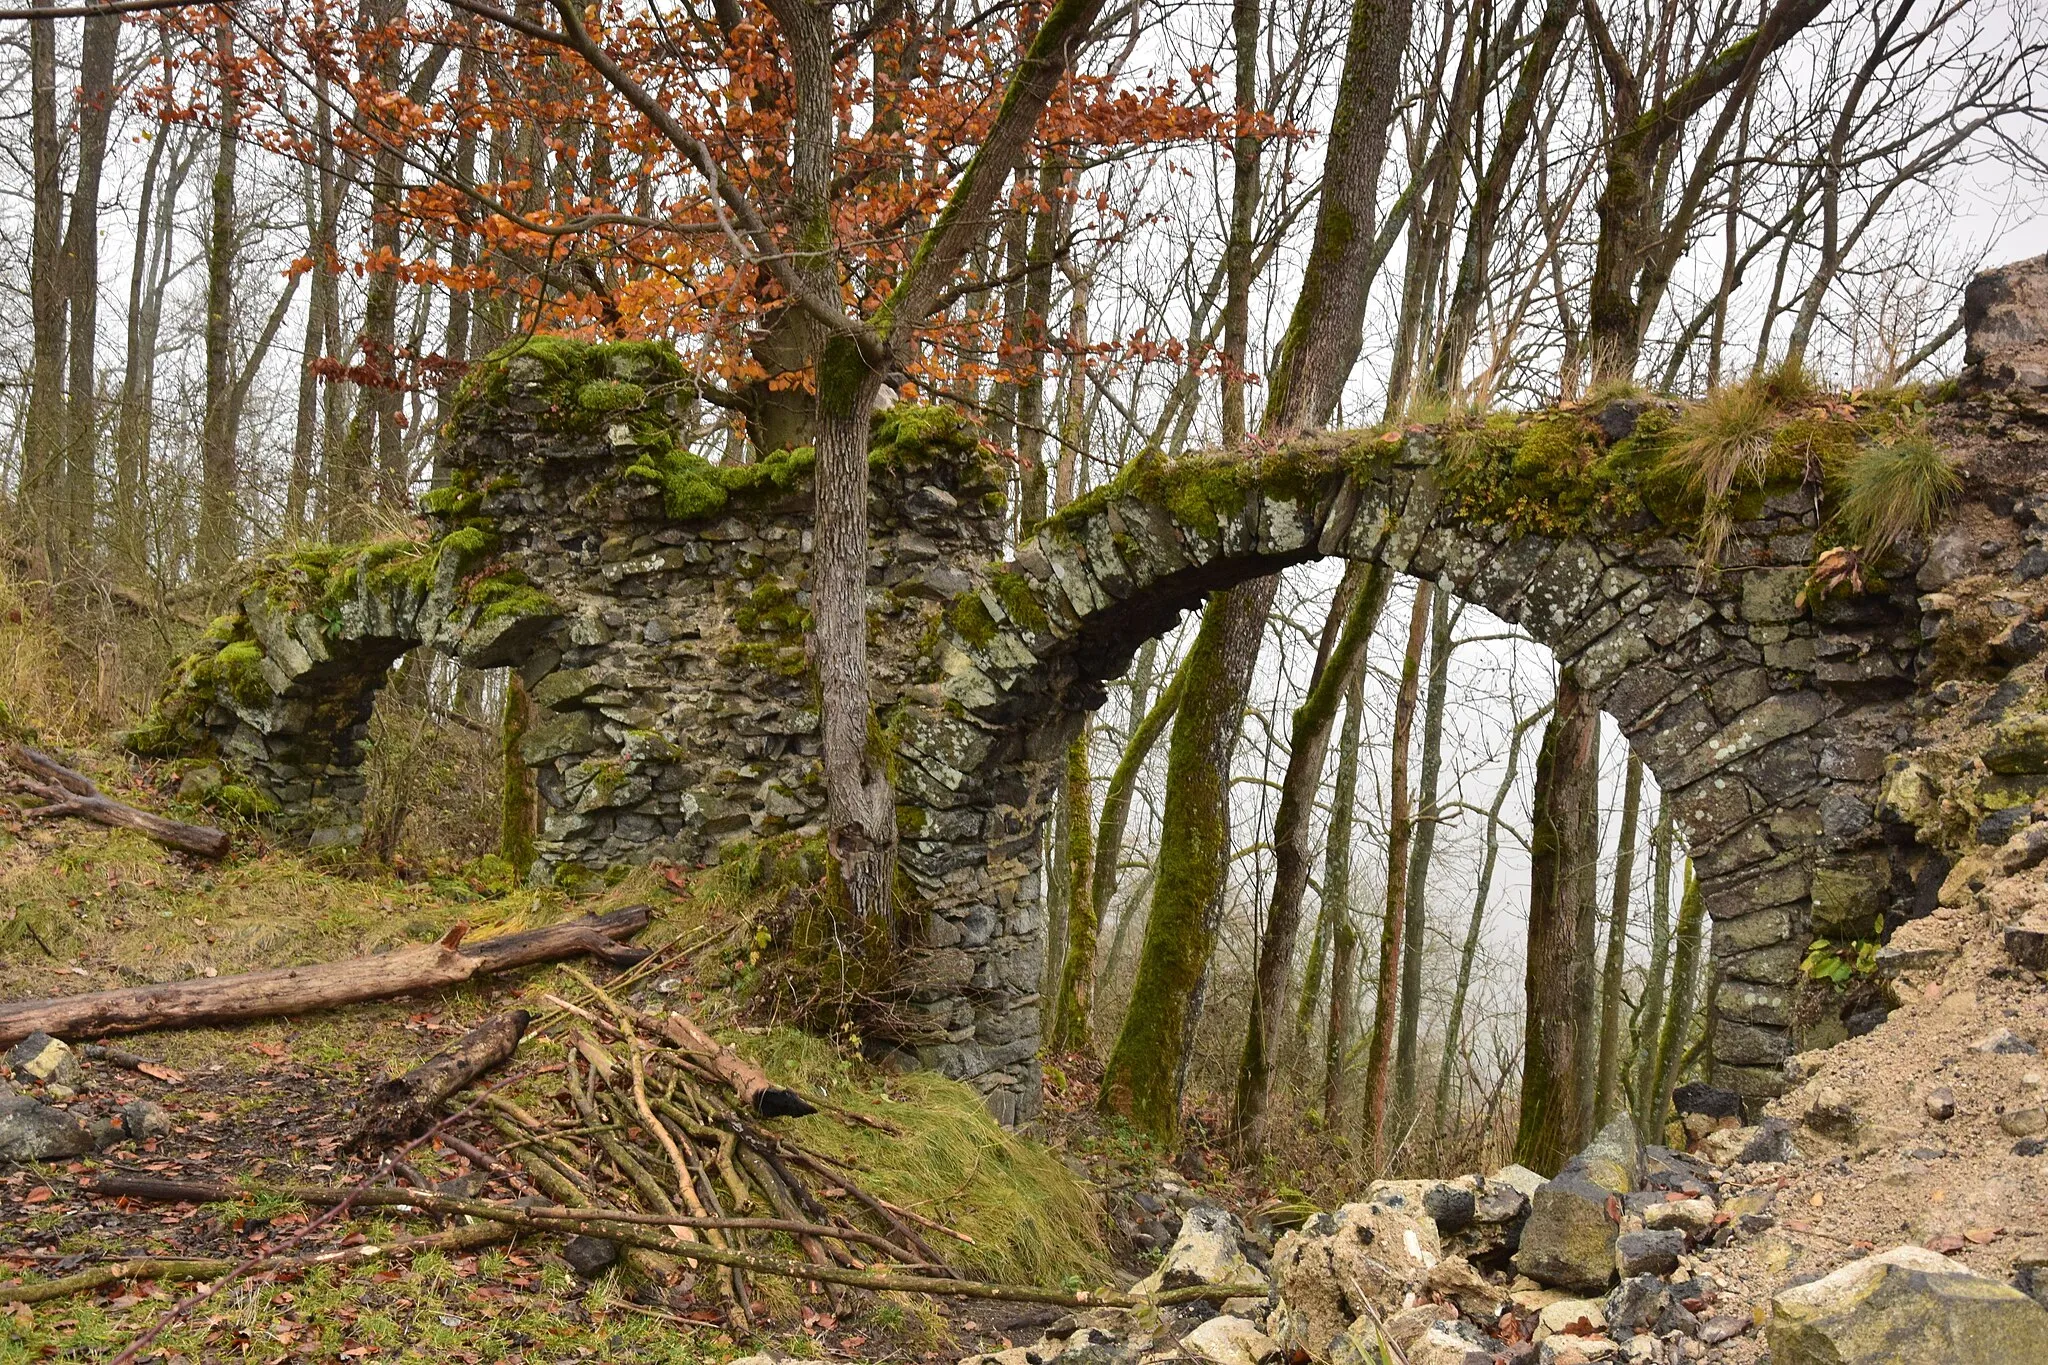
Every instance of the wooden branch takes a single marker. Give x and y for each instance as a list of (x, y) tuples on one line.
[(403, 1107), (299, 990), (768, 1100), (206, 1268), (72, 793)]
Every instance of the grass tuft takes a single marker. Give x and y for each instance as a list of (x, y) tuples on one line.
[(1893, 492)]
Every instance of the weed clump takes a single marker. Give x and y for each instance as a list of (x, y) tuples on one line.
[(1895, 491)]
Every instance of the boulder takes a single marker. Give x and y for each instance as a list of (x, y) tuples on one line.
[(1636, 1303), (1439, 1347), (1568, 1241), (1570, 1350), (1208, 1250), (590, 1257), (1581, 1317), (1230, 1340), (1477, 1297), (33, 1131), (1906, 1304), (2004, 1042), (1329, 1271), (143, 1120)]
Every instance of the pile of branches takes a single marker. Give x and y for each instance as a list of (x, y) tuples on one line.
[(660, 1146)]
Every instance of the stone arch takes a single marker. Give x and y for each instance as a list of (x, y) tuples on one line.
[(281, 686), (1766, 724)]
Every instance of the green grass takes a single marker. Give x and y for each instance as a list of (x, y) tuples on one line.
[(1893, 492)]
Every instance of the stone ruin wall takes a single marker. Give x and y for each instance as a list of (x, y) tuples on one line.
[(676, 716)]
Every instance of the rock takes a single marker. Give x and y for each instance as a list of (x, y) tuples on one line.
[(1477, 1297), (1635, 1303), (1208, 1250), (1654, 1251), (1771, 1143), (1940, 1104), (2029, 1147), (1906, 1304), (1569, 1238), (142, 1120), (1725, 1327), (1439, 1347), (2005, 326), (1230, 1340), (1453, 1207), (1580, 1317), (33, 1131), (590, 1257), (41, 1059), (1697, 1097), (2017, 643), (2030, 1276), (2005, 1043), (2024, 1122), (1518, 1178), (1690, 1216), (1335, 1266), (2027, 946), (1832, 1114), (1570, 1350)]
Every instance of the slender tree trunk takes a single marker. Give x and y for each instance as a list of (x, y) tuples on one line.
[(82, 282), (1551, 1121), (1070, 1026), (131, 424), (1244, 210), (1357, 607), (1652, 1020), (1123, 782), (42, 442), (520, 806), (1685, 965), (1033, 486), (1139, 1081), (1400, 833), (1585, 967), (1407, 1054), (1607, 1094), (219, 471), (1337, 896), (1468, 954)]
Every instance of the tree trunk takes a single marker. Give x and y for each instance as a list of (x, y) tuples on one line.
[(1337, 896), (1244, 211), (1585, 967), (1685, 965), (40, 495), (1357, 605), (1408, 1046), (1607, 1092), (1033, 486), (1139, 1081), (1651, 1022), (1147, 724), (519, 806), (72, 793), (1454, 1025), (1400, 832), (402, 1107), (1551, 1121), (148, 269), (1070, 1024), (81, 270), (219, 535)]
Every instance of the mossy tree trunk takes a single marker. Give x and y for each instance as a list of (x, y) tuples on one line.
[(1468, 954), (1393, 917), (1650, 1022), (81, 262), (1685, 965), (1140, 1079), (1070, 1023), (1354, 612), (1149, 719), (217, 465), (1551, 1120), (1585, 966), (1407, 1043), (520, 809), (1337, 903), (1608, 1082), (1244, 212)]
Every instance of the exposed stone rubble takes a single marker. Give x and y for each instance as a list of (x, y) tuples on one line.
[(51, 1109)]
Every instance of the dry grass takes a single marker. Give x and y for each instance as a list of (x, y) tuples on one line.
[(1718, 443)]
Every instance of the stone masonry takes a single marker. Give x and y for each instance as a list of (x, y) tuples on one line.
[(666, 654)]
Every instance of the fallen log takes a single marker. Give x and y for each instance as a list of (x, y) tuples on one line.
[(300, 990), (73, 793), (403, 1107)]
